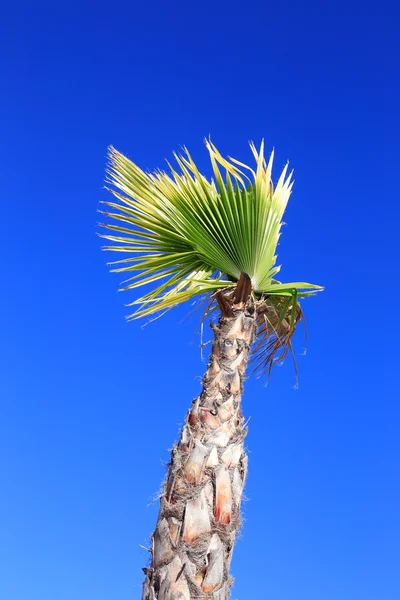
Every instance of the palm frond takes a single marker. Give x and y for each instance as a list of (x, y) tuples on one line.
[(277, 320), (188, 235)]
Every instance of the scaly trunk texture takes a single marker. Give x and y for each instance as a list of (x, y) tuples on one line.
[(200, 506)]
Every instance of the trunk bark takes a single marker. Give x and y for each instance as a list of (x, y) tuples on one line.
[(200, 507)]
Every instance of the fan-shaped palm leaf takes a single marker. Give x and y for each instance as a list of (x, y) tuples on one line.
[(189, 236)]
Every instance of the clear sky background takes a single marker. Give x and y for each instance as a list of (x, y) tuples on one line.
[(91, 404)]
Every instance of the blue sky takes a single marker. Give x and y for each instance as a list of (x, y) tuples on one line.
[(91, 404)]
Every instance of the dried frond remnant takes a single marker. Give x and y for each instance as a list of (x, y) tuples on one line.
[(277, 320), (197, 520), (223, 495)]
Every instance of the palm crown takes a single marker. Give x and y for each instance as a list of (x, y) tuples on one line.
[(189, 236)]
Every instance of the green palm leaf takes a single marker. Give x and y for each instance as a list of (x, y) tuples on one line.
[(187, 235)]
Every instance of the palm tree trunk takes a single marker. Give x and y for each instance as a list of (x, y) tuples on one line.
[(200, 506)]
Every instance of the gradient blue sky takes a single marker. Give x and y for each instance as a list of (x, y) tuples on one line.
[(89, 404)]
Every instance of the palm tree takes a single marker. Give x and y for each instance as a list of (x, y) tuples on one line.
[(215, 239)]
